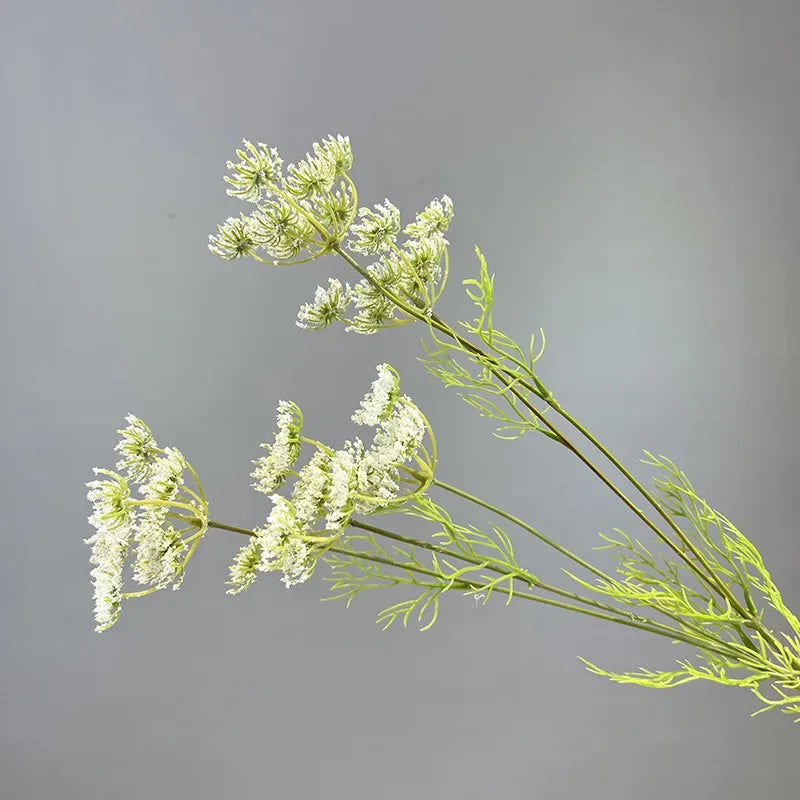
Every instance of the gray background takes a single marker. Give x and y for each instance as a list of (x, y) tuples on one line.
[(630, 170)]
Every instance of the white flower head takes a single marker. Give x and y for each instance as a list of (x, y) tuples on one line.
[(271, 470), (329, 304), (139, 450), (160, 550), (281, 547), (423, 257), (400, 435), (110, 499), (167, 476), (236, 238), (379, 401), (311, 177), (245, 566), (310, 489), (113, 517), (121, 521), (374, 309), (378, 229), (258, 172), (433, 221), (397, 440), (280, 229), (339, 504), (335, 210), (376, 482), (337, 151), (109, 550)]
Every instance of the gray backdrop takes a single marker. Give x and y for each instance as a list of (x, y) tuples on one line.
[(630, 170)]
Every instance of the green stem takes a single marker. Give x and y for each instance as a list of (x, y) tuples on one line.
[(631, 620), (710, 579), (525, 577), (702, 568), (704, 571), (467, 587), (232, 528), (522, 524)]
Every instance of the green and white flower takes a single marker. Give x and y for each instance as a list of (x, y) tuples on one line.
[(339, 504), (423, 257), (282, 549), (337, 151), (113, 516), (378, 229), (244, 569), (167, 477), (374, 309), (312, 177), (160, 550), (237, 238), (139, 450), (146, 522), (272, 469), (399, 437), (379, 401), (310, 489), (329, 305), (335, 210), (257, 173), (282, 230), (434, 220)]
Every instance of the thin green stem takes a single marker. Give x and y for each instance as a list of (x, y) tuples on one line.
[(232, 528), (524, 525), (564, 551), (523, 576), (704, 571), (468, 587), (629, 619), (710, 579)]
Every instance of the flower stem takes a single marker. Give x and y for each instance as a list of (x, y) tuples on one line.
[(702, 569), (700, 566), (468, 587), (522, 524), (605, 612), (523, 576)]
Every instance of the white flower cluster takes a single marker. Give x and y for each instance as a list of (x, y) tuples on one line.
[(411, 273), (139, 450), (329, 305), (122, 521), (380, 399), (282, 547), (378, 229), (307, 209), (113, 518), (272, 469), (332, 486)]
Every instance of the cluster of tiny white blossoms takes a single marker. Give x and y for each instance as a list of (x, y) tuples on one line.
[(122, 521), (300, 214), (334, 484), (271, 470), (407, 278), (311, 209)]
